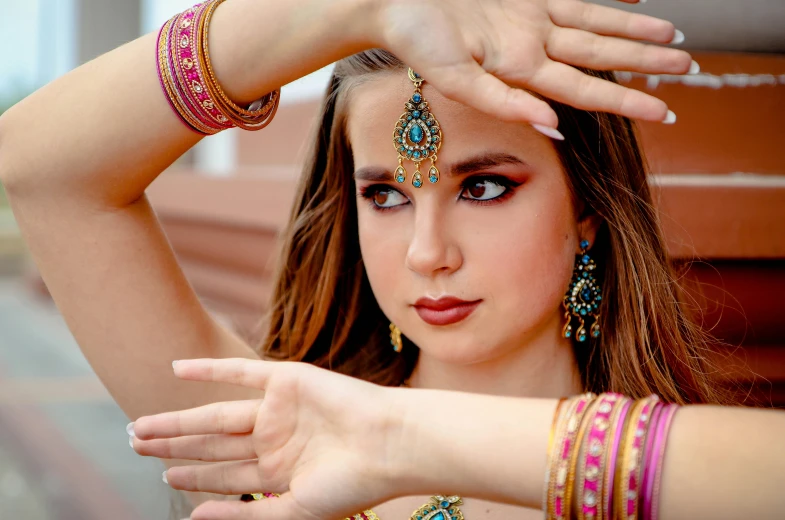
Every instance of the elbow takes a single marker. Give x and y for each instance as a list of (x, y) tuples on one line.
[(5, 167), (9, 170)]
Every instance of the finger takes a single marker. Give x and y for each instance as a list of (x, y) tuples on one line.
[(471, 85), (585, 49), (568, 85), (252, 373), (229, 417), (279, 508), (211, 448), (226, 478), (610, 21)]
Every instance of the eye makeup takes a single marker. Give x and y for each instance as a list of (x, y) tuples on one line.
[(481, 189)]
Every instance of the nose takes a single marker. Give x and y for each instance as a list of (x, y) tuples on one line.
[(432, 251)]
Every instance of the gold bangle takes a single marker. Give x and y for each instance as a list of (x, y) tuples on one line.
[(562, 457), (589, 411), (240, 117)]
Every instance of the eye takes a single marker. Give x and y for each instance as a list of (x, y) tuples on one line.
[(384, 197), (483, 189)]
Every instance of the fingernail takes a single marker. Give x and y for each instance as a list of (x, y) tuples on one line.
[(677, 38), (174, 363), (131, 441), (670, 118), (164, 478), (694, 68), (130, 430), (548, 131)]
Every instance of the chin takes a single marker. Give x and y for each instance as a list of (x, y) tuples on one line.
[(459, 348)]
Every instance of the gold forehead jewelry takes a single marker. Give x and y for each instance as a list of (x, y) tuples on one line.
[(417, 136)]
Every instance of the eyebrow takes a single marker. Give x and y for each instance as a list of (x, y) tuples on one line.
[(483, 161)]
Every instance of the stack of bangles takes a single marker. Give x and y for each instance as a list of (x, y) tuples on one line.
[(605, 457), (187, 77)]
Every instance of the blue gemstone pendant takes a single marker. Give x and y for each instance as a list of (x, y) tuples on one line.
[(582, 300), (440, 508), (417, 137)]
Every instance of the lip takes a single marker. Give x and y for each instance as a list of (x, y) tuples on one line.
[(444, 311)]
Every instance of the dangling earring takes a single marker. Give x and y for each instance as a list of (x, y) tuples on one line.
[(583, 298), (395, 338), (417, 136)]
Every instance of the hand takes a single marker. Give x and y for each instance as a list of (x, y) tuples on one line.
[(313, 438), (484, 52)]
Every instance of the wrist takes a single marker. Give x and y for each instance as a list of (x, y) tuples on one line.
[(361, 26)]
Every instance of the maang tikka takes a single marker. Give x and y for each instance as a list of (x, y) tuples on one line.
[(417, 136)]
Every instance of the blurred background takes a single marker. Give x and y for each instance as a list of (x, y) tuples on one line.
[(719, 176)]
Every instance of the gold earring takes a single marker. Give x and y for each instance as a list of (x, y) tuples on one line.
[(395, 338)]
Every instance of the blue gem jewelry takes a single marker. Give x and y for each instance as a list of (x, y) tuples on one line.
[(583, 298), (440, 508), (417, 136)]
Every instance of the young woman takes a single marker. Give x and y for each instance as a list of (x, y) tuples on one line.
[(468, 273)]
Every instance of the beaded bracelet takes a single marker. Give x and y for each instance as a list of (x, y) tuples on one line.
[(627, 487), (558, 504), (617, 427), (189, 71), (557, 414), (592, 466)]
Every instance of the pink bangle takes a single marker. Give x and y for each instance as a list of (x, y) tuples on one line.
[(647, 465), (613, 455), (631, 488), (190, 73), (651, 506), (590, 481)]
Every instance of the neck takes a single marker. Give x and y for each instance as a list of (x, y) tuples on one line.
[(543, 367)]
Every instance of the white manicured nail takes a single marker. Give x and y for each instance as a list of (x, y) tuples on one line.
[(164, 478), (131, 441), (694, 68), (677, 38), (670, 118), (174, 363), (130, 430), (548, 131)]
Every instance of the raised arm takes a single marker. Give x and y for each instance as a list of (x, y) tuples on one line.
[(76, 158)]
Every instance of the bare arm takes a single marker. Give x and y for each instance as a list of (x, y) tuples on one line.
[(720, 463), (76, 158), (359, 444)]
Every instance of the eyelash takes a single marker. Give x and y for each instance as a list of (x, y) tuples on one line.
[(369, 192)]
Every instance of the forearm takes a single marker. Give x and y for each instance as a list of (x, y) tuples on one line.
[(105, 130), (720, 462), (487, 447), (724, 463)]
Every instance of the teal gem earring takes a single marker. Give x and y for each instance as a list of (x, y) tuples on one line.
[(583, 298), (417, 136)]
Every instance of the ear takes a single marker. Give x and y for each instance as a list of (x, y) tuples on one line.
[(588, 227)]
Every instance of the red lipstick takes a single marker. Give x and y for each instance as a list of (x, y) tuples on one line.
[(444, 311)]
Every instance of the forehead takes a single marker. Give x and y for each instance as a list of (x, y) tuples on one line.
[(376, 104)]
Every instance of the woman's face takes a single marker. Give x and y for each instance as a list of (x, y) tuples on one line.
[(497, 232)]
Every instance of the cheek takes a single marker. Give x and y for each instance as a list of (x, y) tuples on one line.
[(382, 255), (523, 256)]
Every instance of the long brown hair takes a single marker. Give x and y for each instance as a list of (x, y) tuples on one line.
[(323, 311)]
